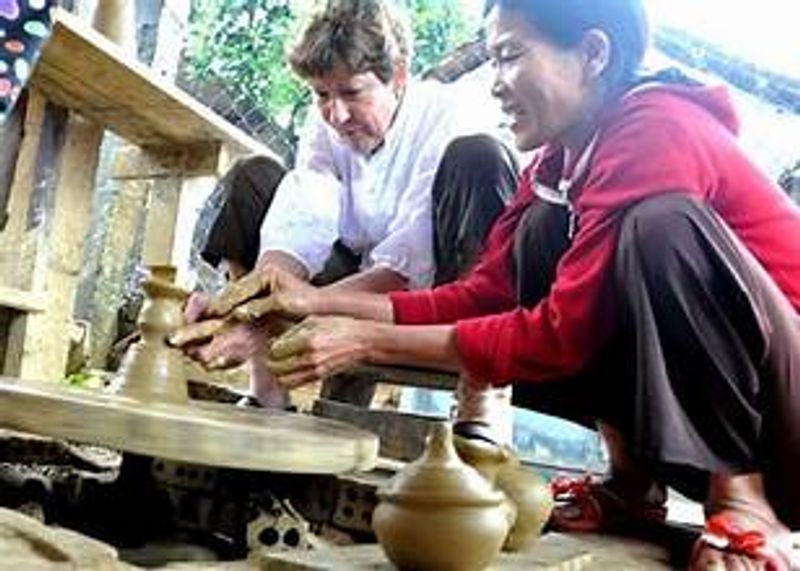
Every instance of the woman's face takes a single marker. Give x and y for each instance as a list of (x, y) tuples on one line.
[(360, 107), (545, 90)]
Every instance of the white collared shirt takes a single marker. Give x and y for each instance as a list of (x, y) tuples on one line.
[(379, 206)]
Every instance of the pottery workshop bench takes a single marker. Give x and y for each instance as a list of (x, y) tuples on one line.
[(84, 85)]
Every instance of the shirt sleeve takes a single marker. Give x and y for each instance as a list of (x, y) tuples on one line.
[(648, 153), (303, 219)]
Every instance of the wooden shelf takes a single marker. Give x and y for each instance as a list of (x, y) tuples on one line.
[(20, 300), (84, 71)]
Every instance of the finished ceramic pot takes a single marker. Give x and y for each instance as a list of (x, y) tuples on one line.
[(531, 495), (525, 488), (441, 514)]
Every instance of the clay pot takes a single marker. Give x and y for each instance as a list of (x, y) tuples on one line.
[(153, 370), (531, 496), (485, 457), (439, 513), (524, 487)]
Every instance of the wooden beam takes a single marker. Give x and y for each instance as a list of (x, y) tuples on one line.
[(84, 71), (21, 300), (402, 435), (411, 377)]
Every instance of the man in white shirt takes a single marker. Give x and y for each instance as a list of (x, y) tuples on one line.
[(393, 186)]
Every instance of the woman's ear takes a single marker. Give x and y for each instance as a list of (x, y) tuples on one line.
[(596, 51)]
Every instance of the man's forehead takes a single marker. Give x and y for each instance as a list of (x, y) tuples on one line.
[(342, 79)]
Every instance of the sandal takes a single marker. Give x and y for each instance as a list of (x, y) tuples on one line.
[(588, 505), (724, 534)]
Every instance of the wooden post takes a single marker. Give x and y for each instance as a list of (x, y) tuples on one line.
[(39, 342), (115, 20)]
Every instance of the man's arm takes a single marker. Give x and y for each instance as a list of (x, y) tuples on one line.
[(373, 280), (285, 262)]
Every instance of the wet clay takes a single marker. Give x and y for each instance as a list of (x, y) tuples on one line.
[(152, 369)]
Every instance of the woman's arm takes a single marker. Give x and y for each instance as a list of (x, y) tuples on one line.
[(322, 346)]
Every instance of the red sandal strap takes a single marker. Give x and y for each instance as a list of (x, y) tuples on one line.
[(724, 533)]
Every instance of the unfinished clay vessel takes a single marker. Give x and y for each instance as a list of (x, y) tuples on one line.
[(524, 487), (153, 370), (441, 514)]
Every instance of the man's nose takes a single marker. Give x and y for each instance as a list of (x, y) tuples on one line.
[(338, 113)]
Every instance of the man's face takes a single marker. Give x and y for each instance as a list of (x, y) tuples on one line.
[(360, 107)]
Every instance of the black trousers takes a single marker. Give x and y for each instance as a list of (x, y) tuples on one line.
[(702, 370)]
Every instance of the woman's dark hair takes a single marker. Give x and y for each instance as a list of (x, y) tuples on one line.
[(355, 36), (564, 23)]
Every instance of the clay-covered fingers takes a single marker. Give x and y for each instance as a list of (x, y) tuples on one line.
[(296, 371), (253, 284), (195, 333), (293, 342), (231, 346), (311, 351), (255, 309), (196, 306)]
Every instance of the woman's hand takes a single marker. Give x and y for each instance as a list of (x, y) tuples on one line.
[(319, 347)]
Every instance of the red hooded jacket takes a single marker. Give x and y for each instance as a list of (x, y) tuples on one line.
[(658, 139)]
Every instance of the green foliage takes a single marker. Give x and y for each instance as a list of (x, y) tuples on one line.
[(439, 26), (242, 46)]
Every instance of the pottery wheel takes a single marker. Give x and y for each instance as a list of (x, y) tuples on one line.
[(195, 432)]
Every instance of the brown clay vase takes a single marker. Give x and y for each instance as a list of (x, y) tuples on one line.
[(441, 514), (524, 488), (153, 370)]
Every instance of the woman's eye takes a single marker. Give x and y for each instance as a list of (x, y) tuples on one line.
[(504, 57)]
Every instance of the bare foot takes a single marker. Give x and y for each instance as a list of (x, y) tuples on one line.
[(735, 539), (742, 531)]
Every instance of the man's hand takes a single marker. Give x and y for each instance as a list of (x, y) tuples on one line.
[(289, 298), (317, 348)]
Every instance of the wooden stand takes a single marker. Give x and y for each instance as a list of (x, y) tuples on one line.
[(83, 85)]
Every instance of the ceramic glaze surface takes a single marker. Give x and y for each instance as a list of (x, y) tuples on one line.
[(525, 488), (440, 514)]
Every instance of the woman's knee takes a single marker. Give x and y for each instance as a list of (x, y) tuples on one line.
[(655, 230)]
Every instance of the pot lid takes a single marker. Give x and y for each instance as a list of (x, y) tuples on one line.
[(440, 477)]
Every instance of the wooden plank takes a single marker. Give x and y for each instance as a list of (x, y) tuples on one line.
[(41, 344), (123, 95), (411, 377), (402, 435), (201, 159), (15, 265), (21, 300)]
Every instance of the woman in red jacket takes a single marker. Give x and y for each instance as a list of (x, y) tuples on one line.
[(646, 279)]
